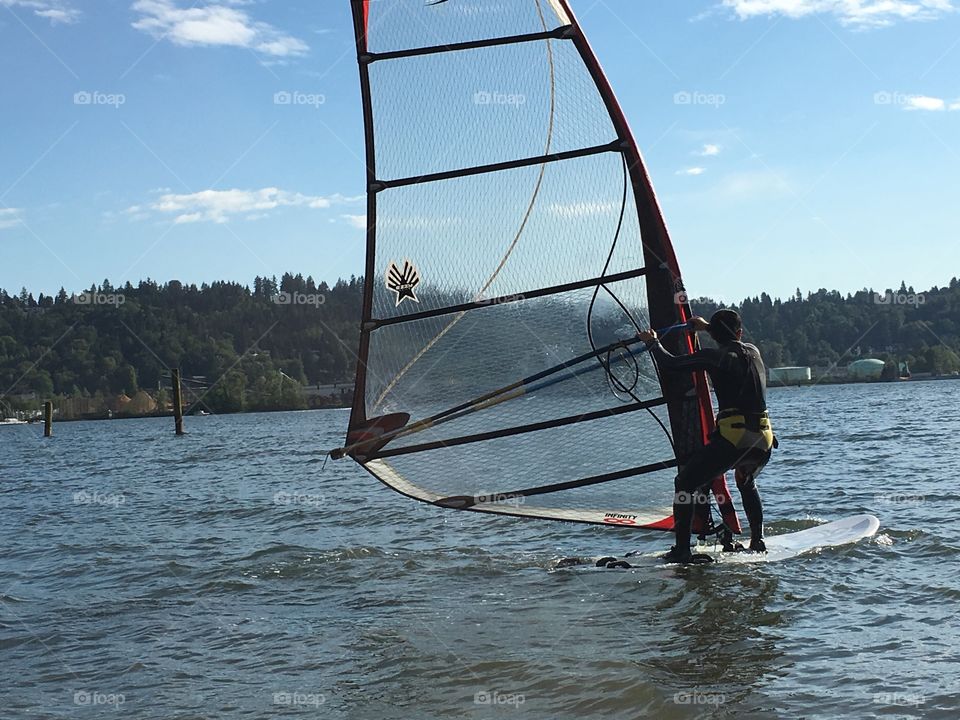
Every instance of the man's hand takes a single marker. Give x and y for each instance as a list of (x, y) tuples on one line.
[(699, 324), (647, 335)]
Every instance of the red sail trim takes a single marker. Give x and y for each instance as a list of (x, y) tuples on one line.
[(665, 524), (651, 214), (374, 434)]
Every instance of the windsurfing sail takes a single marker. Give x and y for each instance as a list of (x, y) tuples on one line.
[(514, 248)]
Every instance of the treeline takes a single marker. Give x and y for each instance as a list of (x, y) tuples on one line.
[(256, 348), (826, 328), (241, 348)]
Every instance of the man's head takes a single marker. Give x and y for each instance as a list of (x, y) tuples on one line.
[(726, 326)]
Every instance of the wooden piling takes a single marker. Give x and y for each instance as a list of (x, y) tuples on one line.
[(177, 402), (48, 418)]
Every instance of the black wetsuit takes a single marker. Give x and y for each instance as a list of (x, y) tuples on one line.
[(743, 439)]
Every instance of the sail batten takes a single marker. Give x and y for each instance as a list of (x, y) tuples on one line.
[(539, 160), (512, 298), (559, 33), (514, 246), (533, 427), (463, 502)]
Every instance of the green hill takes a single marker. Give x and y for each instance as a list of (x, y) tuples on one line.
[(242, 348)]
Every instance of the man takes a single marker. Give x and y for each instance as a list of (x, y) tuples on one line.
[(743, 440)]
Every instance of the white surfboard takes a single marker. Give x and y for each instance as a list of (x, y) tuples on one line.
[(788, 545), (779, 547)]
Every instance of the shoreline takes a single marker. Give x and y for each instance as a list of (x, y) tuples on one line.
[(806, 384), (169, 415), (848, 381)]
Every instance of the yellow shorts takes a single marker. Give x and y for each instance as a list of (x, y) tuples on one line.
[(733, 429)]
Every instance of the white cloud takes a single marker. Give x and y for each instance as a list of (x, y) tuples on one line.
[(357, 221), (583, 209), (338, 199), (55, 12), (9, 217), (856, 13), (710, 151), (754, 185), (212, 25), (221, 206), (60, 15), (955, 105), (922, 102), (694, 171)]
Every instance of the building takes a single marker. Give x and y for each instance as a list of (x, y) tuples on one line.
[(789, 375)]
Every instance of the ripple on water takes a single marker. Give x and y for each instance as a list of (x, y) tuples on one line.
[(202, 596)]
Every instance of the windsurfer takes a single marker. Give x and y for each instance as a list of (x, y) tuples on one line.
[(743, 440)]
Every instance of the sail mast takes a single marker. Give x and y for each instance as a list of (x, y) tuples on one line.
[(358, 415)]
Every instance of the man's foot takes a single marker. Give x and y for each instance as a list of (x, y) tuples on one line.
[(683, 556), (677, 555), (758, 545), (726, 541)]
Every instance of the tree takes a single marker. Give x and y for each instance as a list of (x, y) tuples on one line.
[(941, 360), (227, 396), (124, 380), (41, 383)]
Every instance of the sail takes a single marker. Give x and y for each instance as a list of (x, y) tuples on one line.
[(514, 243)]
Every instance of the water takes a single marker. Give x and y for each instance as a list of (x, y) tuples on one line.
[(160, 577)]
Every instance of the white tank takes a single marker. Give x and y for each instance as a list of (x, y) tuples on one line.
[(866, 369)]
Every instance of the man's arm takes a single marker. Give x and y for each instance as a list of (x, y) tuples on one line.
[(700, 360), (708, 359)]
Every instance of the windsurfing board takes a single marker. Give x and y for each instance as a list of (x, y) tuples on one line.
[(779, 547), (790, 545)]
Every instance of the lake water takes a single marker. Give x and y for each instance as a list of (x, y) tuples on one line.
[(228, 574)]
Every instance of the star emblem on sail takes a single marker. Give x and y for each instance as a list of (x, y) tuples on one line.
[(403, 282)]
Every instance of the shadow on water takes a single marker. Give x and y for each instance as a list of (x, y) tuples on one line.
[(650, 642), (721, 644)]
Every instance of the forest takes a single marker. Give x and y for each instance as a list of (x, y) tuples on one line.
[(238, 348), (243, 348)]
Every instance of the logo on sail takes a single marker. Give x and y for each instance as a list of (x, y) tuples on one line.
[(403, 282)]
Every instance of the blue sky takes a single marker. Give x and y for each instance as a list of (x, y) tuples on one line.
[(810, 143)]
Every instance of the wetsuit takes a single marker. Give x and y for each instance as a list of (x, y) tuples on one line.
[(743, 439)]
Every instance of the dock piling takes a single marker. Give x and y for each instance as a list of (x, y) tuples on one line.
[(177, 401)]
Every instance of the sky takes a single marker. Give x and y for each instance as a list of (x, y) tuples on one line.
[(792, 143)]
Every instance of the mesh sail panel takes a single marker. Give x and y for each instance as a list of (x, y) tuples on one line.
[(393, 25), (492, 347), (563, 217), (477, 107), (513, 242)]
